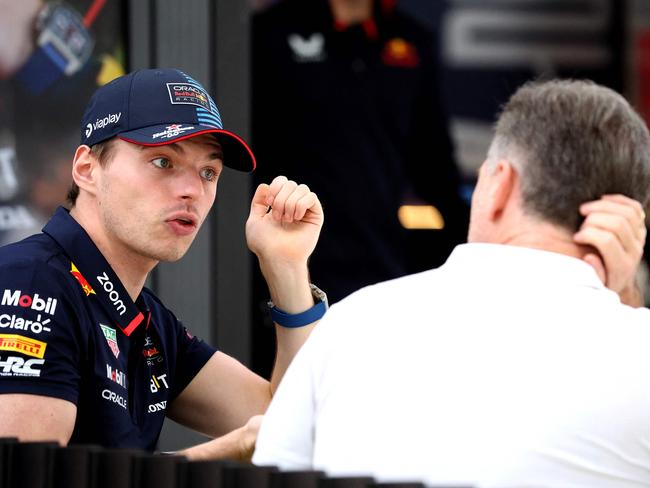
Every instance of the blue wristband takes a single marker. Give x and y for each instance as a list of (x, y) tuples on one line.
[(304, 318), (299, 319)]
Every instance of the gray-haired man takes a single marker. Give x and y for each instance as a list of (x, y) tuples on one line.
[(512, 364)]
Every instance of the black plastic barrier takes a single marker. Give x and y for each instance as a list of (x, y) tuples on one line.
[(296, 479), (48, 465), (73, 466)]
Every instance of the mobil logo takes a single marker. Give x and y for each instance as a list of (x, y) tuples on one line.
[(116, 376), (14, 298)]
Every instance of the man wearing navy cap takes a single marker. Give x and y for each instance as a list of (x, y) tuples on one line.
[(87, 354)]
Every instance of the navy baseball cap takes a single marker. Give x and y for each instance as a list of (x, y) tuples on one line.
[(154, 107)]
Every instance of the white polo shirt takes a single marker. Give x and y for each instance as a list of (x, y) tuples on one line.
[(507, 366)]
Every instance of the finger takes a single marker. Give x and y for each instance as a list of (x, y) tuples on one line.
[(309, 203), (259, 207), (638, 208), (617, 197), (616, 261), (625, 201), (619, 204), (292, 200), (280, 199), (275, 187), (595, 262), (631, 211), (620, 228), (605, 242)]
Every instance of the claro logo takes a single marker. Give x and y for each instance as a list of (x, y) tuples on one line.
[(36, 326), (113, 295), (111, 396)]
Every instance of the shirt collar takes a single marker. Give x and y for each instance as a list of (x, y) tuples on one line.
[(92, 271), (515, 263)]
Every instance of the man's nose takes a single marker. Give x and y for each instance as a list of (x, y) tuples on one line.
[(189, 185)]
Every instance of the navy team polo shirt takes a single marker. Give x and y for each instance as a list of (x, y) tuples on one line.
[(69, 330)]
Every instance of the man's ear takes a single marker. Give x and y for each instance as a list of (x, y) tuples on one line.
[(83, 169), (504, 178)]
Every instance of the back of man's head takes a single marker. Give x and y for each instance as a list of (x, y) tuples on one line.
[(572, 142)]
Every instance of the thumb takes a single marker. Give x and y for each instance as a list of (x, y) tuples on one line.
[(259, 207)]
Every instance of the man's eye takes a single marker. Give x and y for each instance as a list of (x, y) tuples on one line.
[(161, 163), (208, 174)]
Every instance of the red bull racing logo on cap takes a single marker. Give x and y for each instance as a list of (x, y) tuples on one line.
[(187, 93), (173, 130)]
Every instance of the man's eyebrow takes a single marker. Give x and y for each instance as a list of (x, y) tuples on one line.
[(217, 150), (172, 145), (176, 147)]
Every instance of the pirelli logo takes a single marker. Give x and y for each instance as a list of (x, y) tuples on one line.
[(23, 345)]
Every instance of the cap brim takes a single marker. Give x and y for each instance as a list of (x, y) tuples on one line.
[(236, 153)]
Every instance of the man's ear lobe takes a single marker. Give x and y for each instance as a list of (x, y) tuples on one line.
[(504, 178), (83, 168)]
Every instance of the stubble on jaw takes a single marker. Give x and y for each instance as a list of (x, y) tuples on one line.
[(151, 241), (145, 238)]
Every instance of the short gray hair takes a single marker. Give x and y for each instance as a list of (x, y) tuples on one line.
[(571, 142)]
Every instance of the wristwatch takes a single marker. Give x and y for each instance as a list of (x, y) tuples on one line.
[(310, 315), (63, 45)]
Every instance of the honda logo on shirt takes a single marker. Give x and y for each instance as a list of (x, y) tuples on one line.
[(157, 407)]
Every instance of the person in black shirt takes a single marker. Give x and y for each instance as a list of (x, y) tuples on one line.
[(350, 90), (87, 353)]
